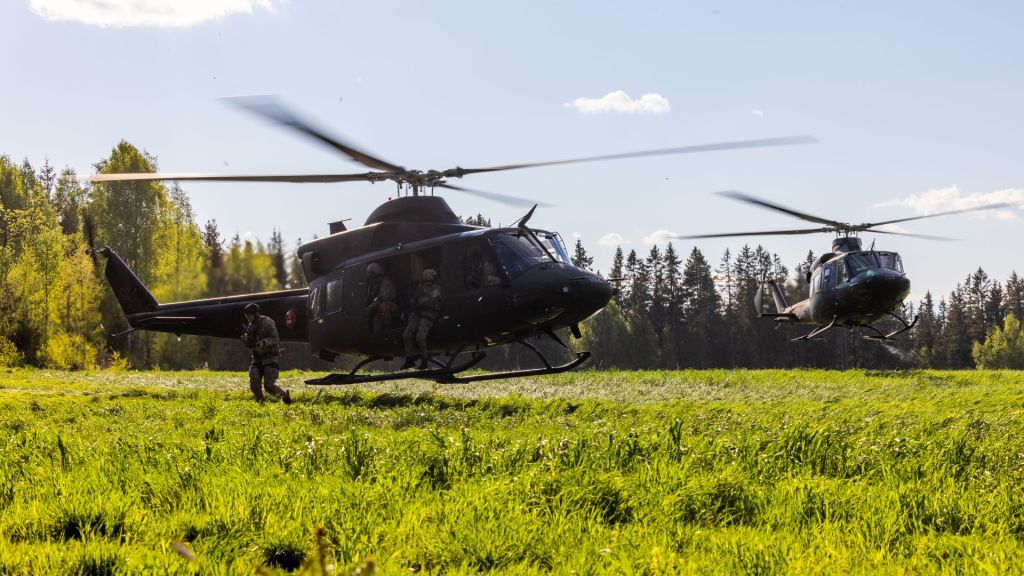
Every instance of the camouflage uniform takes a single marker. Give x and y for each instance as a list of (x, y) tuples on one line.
[(380, 296), (426, 309), (261, 337)]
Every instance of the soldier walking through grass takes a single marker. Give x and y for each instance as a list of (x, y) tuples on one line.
[(261, 338)]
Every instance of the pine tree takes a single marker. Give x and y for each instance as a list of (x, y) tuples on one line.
[(700, 302), (580, 259), (1014, 296), (277, 258)]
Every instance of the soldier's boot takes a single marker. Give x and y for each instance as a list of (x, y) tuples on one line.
[(424, 364), (287, 397), (410, 362)]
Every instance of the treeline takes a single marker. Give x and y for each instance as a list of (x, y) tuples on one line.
[(691, 314), (57, 312)]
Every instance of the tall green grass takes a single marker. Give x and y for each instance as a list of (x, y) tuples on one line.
[(716, 472)]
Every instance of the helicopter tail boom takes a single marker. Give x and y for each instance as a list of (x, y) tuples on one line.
[(778, 298), (218, 317)]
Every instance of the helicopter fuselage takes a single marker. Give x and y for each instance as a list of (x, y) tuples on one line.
[(850, 288), (497, 285)]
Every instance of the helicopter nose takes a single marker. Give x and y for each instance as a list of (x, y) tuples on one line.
[(586, 295), (569, 297), (893, 286)]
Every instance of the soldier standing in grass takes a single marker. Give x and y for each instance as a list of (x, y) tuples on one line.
[(261, 337)]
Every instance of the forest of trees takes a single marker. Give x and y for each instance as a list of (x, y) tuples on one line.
[(57, 312)]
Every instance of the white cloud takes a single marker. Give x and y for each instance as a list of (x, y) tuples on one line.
[(620, 102), (577, 236), (144, 13), (660, 237), (612, 239), (757, 113), (951, 198)]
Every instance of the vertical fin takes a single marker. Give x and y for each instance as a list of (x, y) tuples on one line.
[(130, 292)]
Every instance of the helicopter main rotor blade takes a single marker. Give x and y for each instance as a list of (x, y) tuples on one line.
[(152, 177), (742, 197), (510, 200), (937, 214), (922, 236), (764, 143), (269, 108), (761, 233)]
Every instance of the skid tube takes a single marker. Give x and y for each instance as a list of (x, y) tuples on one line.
[(448, 373), (881, 337)]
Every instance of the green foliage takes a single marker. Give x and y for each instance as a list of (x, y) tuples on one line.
[(9, 353), (1004, 347), (707, 472)]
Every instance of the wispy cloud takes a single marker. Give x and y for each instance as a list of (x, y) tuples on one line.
[(951, 198), (757, 113), (145, 13), (612, 239), (620, 102), (660, 237)]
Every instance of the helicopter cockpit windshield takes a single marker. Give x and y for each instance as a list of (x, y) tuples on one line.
[(518, 251), (890, 260), (858, 262)]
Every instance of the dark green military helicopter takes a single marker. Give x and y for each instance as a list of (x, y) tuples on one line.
[(498, 286), (848, 286)]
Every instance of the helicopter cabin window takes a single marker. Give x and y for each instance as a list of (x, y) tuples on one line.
[(334, 297), (828, 275), (518, 252)]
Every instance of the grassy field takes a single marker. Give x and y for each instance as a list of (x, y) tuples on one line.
[(755, 472)]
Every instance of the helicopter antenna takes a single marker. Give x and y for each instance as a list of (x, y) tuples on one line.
[(872, 245), (522, 221)]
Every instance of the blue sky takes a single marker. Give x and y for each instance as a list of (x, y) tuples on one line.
[(917, 106)]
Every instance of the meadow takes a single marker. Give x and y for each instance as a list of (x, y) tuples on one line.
[(704, 472)]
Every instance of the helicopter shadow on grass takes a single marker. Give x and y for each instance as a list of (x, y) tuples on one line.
[(498, 407)]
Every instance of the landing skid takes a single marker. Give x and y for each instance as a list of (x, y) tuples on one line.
[(448, 373), (816, 332), (881, 337)]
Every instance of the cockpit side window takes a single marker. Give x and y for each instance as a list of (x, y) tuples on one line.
[(518, 252)]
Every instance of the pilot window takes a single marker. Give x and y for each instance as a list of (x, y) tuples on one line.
[(334, 297), (828, 275), (518, 252), (858, 262)]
